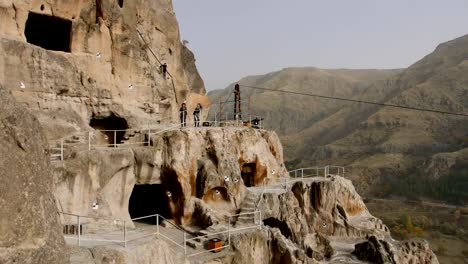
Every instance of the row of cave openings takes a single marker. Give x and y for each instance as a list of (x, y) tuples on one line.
[(53, 33), (153, 198), (150, 199)]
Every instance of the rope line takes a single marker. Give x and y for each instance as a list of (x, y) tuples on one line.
[(160, 64), (357, 101)]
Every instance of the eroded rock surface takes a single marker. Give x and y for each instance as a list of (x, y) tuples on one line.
[(100, 66), (380, 251), (30, 231), (201, 168)]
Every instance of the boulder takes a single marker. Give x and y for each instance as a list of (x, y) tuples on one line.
[(30, 231)]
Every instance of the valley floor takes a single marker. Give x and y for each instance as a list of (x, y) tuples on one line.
[(445, 227)]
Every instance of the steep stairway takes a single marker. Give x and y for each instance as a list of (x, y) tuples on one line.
[(247, 216)]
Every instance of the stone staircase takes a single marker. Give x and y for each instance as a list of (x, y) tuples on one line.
[(247, 206)]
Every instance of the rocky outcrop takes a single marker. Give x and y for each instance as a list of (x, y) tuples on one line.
[(380, 251), (152, 251), (30, 231), (201, 168), (101, 60)]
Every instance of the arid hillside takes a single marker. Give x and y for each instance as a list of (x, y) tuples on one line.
[(378, 145)]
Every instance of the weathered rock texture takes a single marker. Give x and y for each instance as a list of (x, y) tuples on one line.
[(109, 71), (380, 251), (201, 168), (151, 252), (106, 77), (30, 231), (310, 221)]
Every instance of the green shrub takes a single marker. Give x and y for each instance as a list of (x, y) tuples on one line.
[(442, 249), (448, 229)]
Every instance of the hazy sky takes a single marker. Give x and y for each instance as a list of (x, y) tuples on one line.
[(235, 38)]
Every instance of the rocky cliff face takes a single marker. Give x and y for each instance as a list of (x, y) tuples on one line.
[(83, 66), (75, 62), (30, 231), (196, 166)]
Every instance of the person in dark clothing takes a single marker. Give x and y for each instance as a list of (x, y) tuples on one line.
[(183, 115), (196, 115), (163, 68)]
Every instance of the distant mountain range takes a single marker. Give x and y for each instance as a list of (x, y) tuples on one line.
[(386, 150)]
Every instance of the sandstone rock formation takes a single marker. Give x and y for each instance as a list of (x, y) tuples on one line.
[(321, 220), (30, 231), (106, 66), (202, 164), (380, 251), (86, 67)]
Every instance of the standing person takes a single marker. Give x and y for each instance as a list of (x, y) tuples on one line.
[(163, 68), (196, 115), (183, 114)]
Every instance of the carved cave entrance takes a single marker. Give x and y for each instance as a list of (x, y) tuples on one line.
[(248, 173), (147, 200), (110, 124), (48, 32)]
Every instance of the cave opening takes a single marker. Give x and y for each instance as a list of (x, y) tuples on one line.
[(120, 2), (48, 32), (107, 125), (248, 173), (281, 225), (149, 199)]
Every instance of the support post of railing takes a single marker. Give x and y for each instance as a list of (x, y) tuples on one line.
[(343, 172), (157, 225), (79, 230), (115, 138), (149, 137), (61, 149), (302, 174), (125, 233), (185, 244), (260, 222), (89, 140), (317, 171), (327, 170), (229, 231)]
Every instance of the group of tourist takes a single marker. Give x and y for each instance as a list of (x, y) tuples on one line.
[(196, 115), (183, 108)]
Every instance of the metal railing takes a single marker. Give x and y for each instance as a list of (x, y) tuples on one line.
[(299, 175), (317, 172), (122, 231), (90, 138), (57, 155), (256, 225)]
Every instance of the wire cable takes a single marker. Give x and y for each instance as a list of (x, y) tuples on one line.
[(356, 101)]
